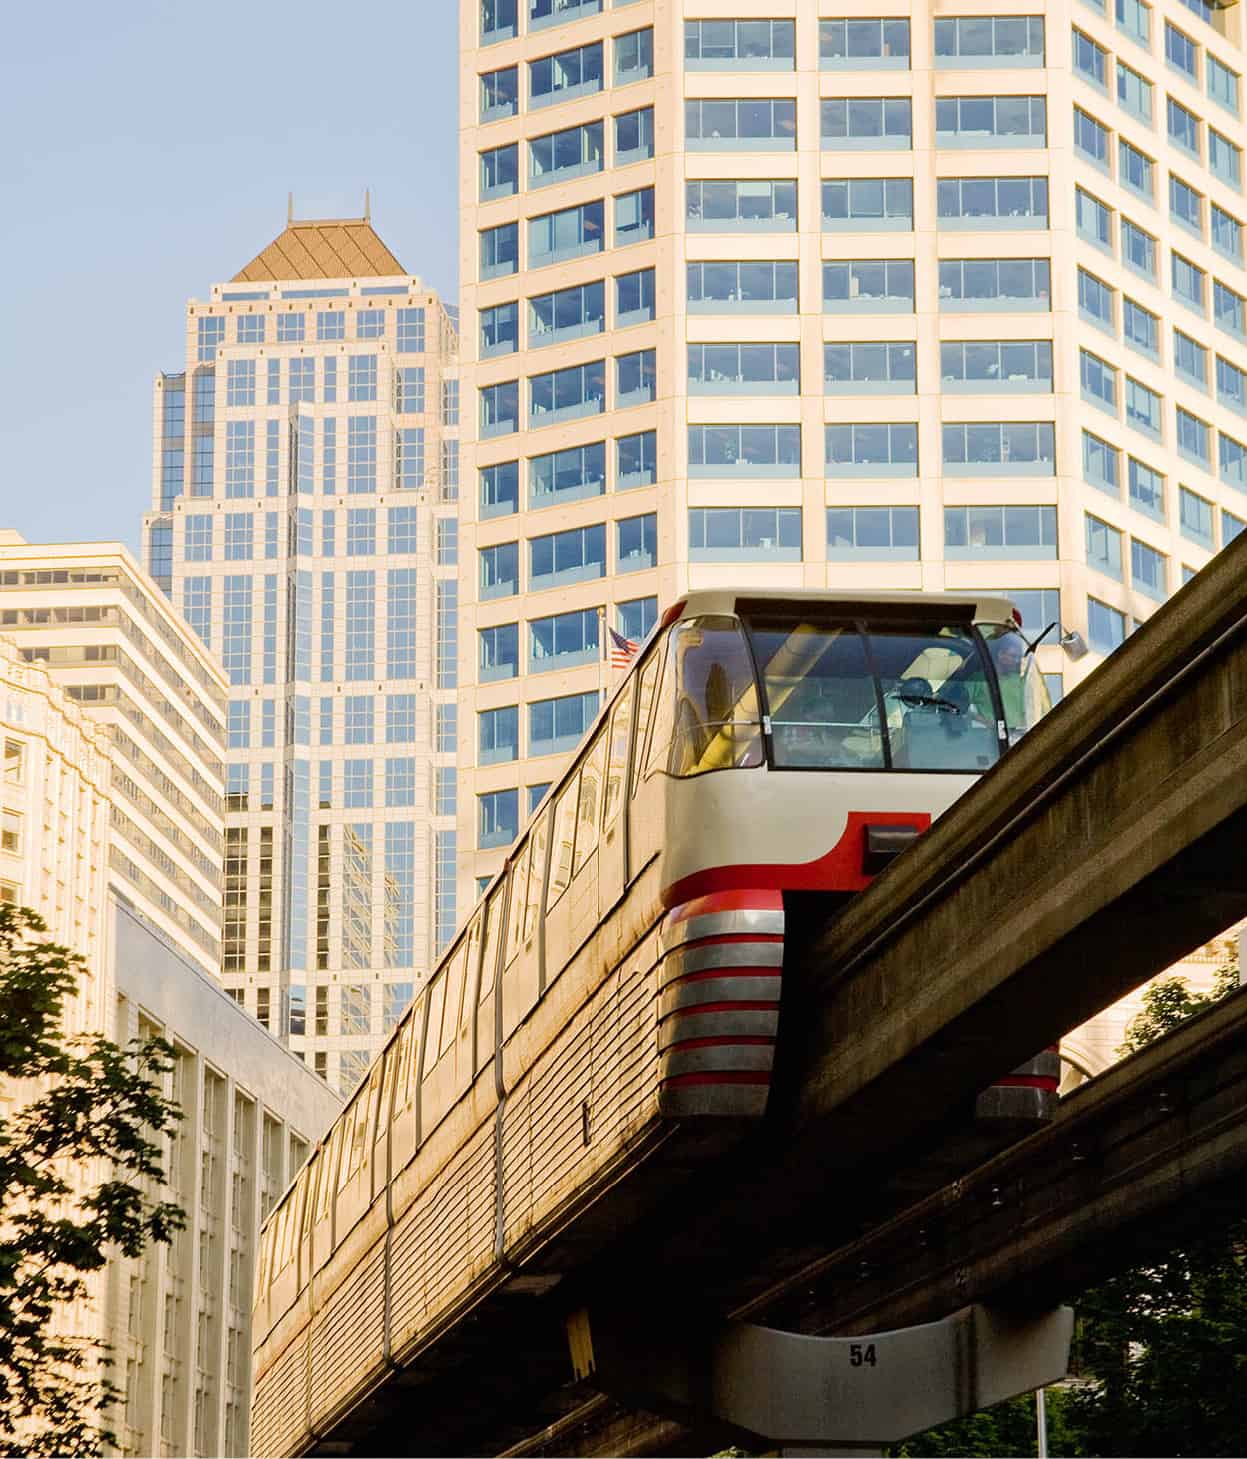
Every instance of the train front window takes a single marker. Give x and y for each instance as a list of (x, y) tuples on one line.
[(1023, 690), (874, 696), (709, 678), (820, 694)]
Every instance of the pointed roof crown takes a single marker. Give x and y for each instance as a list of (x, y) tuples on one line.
[(327, 248)]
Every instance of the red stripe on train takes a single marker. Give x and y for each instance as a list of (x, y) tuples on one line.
[(838, 870), (732, 972), (721, 939), (1027, 1081), (743, 900)]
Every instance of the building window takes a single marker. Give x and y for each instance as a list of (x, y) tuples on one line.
[(400, 781), (1106, 627), (1136, 169), (1224, 158), (1100, 463), (1095, 300), (745, 451), (634, 217), (500, 408), (291, 328), (357, 717), (559, 558), (990, 121), (870, 367), (1185, 204), (725, 205), (1103, 547), (409, 458), (561, 156), (565, 75), (871, 449), (499, 21), (1232, 458), (210, 336), (499, 656), (1229, 310), (1183, 127), (400, 718), (996, 365), (239, 458), (240, 382), (1231, 384), (361, 377), (1002, 284), (1227, 234), (500, 250), (990, 40), (998, 202), (447, 610), (634, 298), (567, 314), (500, 570), (1146, 488), (1140, 327), (1090, 59), (356, 783), (1099, 380), (875, 533), (635, 378), (1181, 52), (634, 56), (636, 618), (1194, 439), (500, 489), (564, 641), (1195, 518), (741, 288), (500, 94), (569, 233), (500, 330), (1138, 249), (744, 534), (752, 125), (1142, 408), (636, 461), (1020, 448), (739, 45), (567, 394), (1149, 570), (238, 536), (1094, 220), (1090, 138), (634, 136), (1223, 84), (744, 369), (500, 172), (1021, 532), (637, 543), (557, 726), (498, 819), (498, 735), (1134, 93)]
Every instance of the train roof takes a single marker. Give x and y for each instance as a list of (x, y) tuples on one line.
[(987, 607)]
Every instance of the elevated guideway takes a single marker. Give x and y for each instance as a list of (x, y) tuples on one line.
[(1153, 1150), (1104, 847)]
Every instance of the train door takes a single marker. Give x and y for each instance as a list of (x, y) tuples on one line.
[(613, 846)]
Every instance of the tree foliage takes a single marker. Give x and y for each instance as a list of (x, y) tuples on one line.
[(1161, 1348), (76, 1153)]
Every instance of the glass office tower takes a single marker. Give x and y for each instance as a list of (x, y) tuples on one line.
[(820, 294), (304, 521)]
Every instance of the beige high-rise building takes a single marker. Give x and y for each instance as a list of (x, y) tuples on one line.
[(90, 616), (112, 724), (802, 294), (304, 521)]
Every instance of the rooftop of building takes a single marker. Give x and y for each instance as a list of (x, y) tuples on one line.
[(322, 248)]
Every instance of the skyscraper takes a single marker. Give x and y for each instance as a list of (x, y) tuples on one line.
[(907, 298), (304, 521)]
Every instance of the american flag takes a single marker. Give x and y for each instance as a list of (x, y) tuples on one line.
[(623, 650)]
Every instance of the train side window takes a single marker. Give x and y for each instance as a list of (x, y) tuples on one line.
[(437, 1002), (313, 1193), (493, 919), (564, 840), (717, 722), (664, 711), (454, 997), (590, 801), (375, 1086), (537, 840), (618, 766), (353, 1154), (284, 1253), (519, 895), (473, 965), (403, 1061), (644, 703), (332, 1149)]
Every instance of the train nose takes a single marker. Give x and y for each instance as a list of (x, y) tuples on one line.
[(1024, 1098)]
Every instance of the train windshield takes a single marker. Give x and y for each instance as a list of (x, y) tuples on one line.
[(889, 695)]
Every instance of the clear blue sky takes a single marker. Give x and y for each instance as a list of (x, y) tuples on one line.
[(149, 150)]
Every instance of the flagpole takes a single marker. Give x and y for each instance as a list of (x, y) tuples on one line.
[(603, 657)]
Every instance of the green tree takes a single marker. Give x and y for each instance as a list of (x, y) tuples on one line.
[(81, 1106)]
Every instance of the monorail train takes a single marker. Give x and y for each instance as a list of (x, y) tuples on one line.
[(617, 988)]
